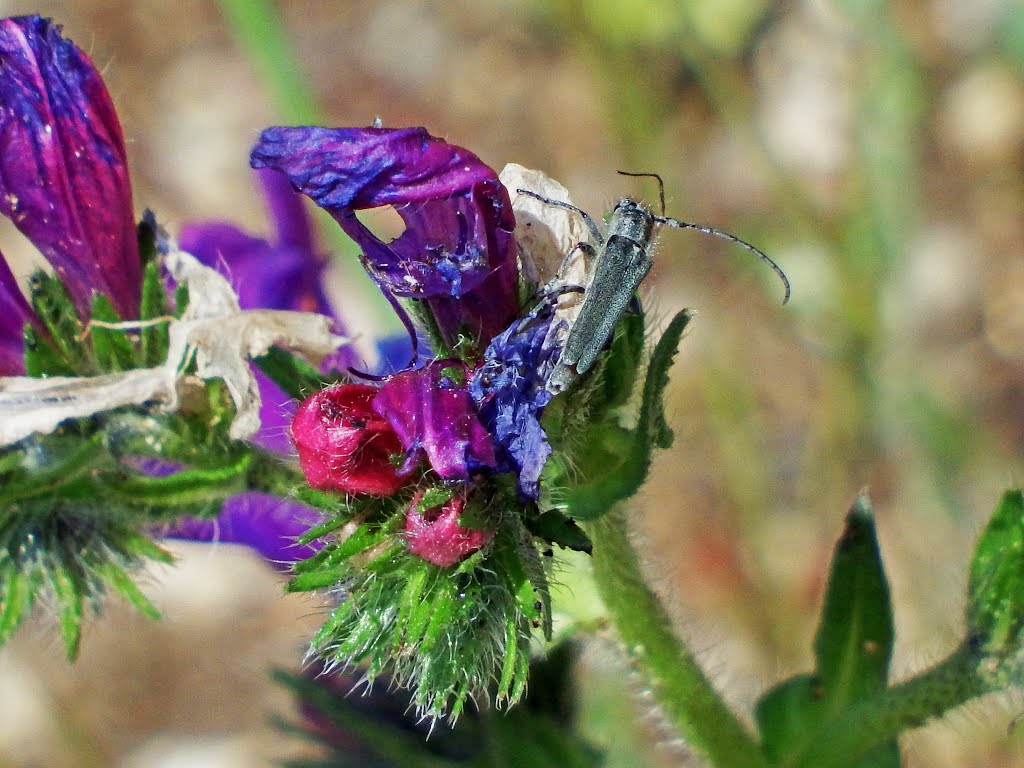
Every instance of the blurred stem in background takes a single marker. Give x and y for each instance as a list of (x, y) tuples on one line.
[(258, 31)]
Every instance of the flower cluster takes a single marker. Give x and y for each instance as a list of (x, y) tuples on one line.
[(434, 492)]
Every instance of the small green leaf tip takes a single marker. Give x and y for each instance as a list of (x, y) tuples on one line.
[(995, 608), (852, 650)]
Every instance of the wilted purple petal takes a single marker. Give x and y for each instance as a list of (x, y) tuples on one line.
[(458, 248), (267, 524), (433, 415), (509, 391), (14, 313), (63, 169)]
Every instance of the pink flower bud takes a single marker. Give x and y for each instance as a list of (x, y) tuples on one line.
[(343, 445), (435, 534)]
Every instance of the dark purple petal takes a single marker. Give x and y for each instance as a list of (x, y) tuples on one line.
[(267, 524), (14, 313), (458, 249), (509, 391), (433, 415), (63, 169)]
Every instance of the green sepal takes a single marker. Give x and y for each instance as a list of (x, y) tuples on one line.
[(154, 337), (112, 349), (621, 459), (204, 487), (852, 651), (181, 299), (69, 588), (42, 357), (556, 528), (295, 377), (17, 593), (53, 306), (995, 606)]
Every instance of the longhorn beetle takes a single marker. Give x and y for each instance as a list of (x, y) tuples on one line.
[(623, 259)]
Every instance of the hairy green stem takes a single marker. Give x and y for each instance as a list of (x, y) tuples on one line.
[(679, 685), (884, 716)]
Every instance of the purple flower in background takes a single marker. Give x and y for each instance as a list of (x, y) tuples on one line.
[(458, 251), (283, 273), (264, 523), (63, 176)]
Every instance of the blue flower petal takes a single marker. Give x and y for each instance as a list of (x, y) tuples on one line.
[(510, 394)]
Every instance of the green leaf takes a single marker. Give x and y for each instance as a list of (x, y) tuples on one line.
[(53, 306), (69, 589), (42, 357), (18, 592), (154, 336), (111, 347), (556, 528), (622, 477), (852, 649), (995, 608), (116, 578)]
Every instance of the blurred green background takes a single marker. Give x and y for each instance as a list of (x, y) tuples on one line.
[(875, 150)]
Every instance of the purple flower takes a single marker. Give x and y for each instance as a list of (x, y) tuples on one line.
[(284, 273), (509, 391), (267, 524), (63, 169), (14, 313), (458, 250), (433, 416)]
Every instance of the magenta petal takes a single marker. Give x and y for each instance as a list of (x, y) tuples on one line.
[(267, 524), (63, 170), (433, 415), (14, 313), (458, 249)]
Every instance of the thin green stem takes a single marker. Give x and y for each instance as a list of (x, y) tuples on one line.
[(679, 685), (257, 29), (889, 713)]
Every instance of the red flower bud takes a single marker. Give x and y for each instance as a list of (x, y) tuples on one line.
[(343, 445), (435, 534)]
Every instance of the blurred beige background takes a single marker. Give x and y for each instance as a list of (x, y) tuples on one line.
[(874, 150)]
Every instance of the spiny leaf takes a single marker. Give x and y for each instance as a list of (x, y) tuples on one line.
[(852, 648), (995, 611), (111, 347), (154, 336), (621, 479), (53, 306)]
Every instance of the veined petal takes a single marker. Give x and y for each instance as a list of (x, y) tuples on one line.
[(63, 169), (14, 313), (433, 415), (267, 524), (458, 248)]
